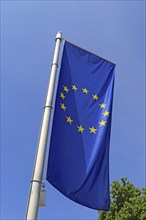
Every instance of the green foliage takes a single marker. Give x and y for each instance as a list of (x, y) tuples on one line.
[(127, 202)]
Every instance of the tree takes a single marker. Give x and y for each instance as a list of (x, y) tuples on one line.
[(127, 202)]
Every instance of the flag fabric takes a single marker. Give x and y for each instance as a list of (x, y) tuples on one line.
[(78, 164)]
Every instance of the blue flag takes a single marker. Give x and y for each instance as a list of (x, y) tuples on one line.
[(78, 164)]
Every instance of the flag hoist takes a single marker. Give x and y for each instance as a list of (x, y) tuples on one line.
[(36, 182)]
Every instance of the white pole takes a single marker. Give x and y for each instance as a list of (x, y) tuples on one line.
[(33, 201)]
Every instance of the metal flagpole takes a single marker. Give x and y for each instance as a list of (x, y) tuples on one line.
[(34, 196)]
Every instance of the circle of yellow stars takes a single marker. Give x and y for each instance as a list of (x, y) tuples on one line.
[(95, 97)]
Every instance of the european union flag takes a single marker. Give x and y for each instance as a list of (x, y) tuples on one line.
[(78, 164)]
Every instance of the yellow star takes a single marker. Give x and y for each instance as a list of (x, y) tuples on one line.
[(62, 95), (95, 97), (106, 113), (63, 106), (102, 105), (80, 129), (102, 123), (74, 88), (93, 130), (85, 90), (69, 120), (66, 89)]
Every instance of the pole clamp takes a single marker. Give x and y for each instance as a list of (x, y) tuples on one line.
[(48, 106), (54, 64), (38, 181)]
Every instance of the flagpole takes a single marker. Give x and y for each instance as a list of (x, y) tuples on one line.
[(34, 196)]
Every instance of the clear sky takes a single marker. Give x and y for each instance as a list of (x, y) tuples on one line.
[(113, 29)]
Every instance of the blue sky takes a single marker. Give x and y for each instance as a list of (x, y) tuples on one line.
[(113, 29)]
